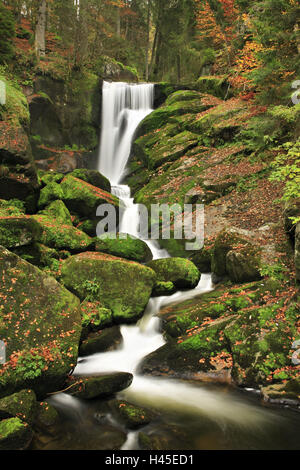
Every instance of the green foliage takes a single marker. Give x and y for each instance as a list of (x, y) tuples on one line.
[(274, 271), (286, 168), (7, 33)]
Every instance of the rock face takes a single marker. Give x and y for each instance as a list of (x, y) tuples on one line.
[(93, 177), (110, 280), (101, 341), (99, 386), (22, 405), (40, 324), (181, 272), (18, 178), (125, 246)]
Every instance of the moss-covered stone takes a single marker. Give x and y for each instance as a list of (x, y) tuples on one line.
[(60, 236), (48, 177), (51, 192), (92, 177), (47, 416), (243, 264), (124, 246), (57, 210), (217, 86), (101, 341), (83, 198), (202, 259), (18, 231), (163, 288), (182, 272), (132, 416), (39, 255), (94, 316), (22, 405), (283, 393), (99, 386), (225, 242), (110, 280), (40, 324), (14, 434)]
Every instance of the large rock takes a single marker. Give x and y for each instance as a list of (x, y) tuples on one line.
[(83, 198), (125, 246), (182, 272), (99, 386), (101, 341), (18, 231), (93, 177), (40, 324), (14, 434), (61, 236), (122, 286)]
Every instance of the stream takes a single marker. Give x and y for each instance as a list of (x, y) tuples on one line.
[(188, 415)]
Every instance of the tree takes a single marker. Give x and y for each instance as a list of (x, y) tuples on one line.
[(40, 31)]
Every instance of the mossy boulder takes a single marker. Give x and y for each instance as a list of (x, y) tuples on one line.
[(39, 255), (283, 393), (18, 231), (217, 86), (94, 316), (83, 198), (163, 288), (48, 177), (40, 324), (46, 417), (15, 435), (57, 210), (101, 341), (92, 177), (51, 192), (182, 272), (61, 236), (99, 386), (235, 257), (124, 246), (243, 264), (132, 416), (110, 280), (202, 259), (22, 405)]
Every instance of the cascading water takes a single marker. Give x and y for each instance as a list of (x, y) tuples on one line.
[(124, 107)]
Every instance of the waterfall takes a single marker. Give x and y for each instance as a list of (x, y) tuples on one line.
[(124, 106)]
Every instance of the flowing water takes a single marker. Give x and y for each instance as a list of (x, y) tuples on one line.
[(190, 416)]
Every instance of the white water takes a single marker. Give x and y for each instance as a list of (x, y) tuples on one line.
[(124, 106)]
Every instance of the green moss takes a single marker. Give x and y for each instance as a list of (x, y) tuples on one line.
[(216, 86), (94, 316), (113, 279), (57, 210), (124, 246), (51, 192), (18, 231), (92, 177), (43, 330), (14, 434), (16, 109), (50, 177), (83, 198), (180, 271), (22, 405), (61, 236), (132, 416)]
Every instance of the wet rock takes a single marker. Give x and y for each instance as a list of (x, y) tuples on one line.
[(163, 288), (98, 386), (283, 393), (110, 279), (14, 434), (22, 405), (132, 416), (43, 331), (101, 341), (182, 272)]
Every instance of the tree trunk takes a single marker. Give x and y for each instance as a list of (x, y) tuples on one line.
[(148, 41), (118, 22), (40, 31)]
